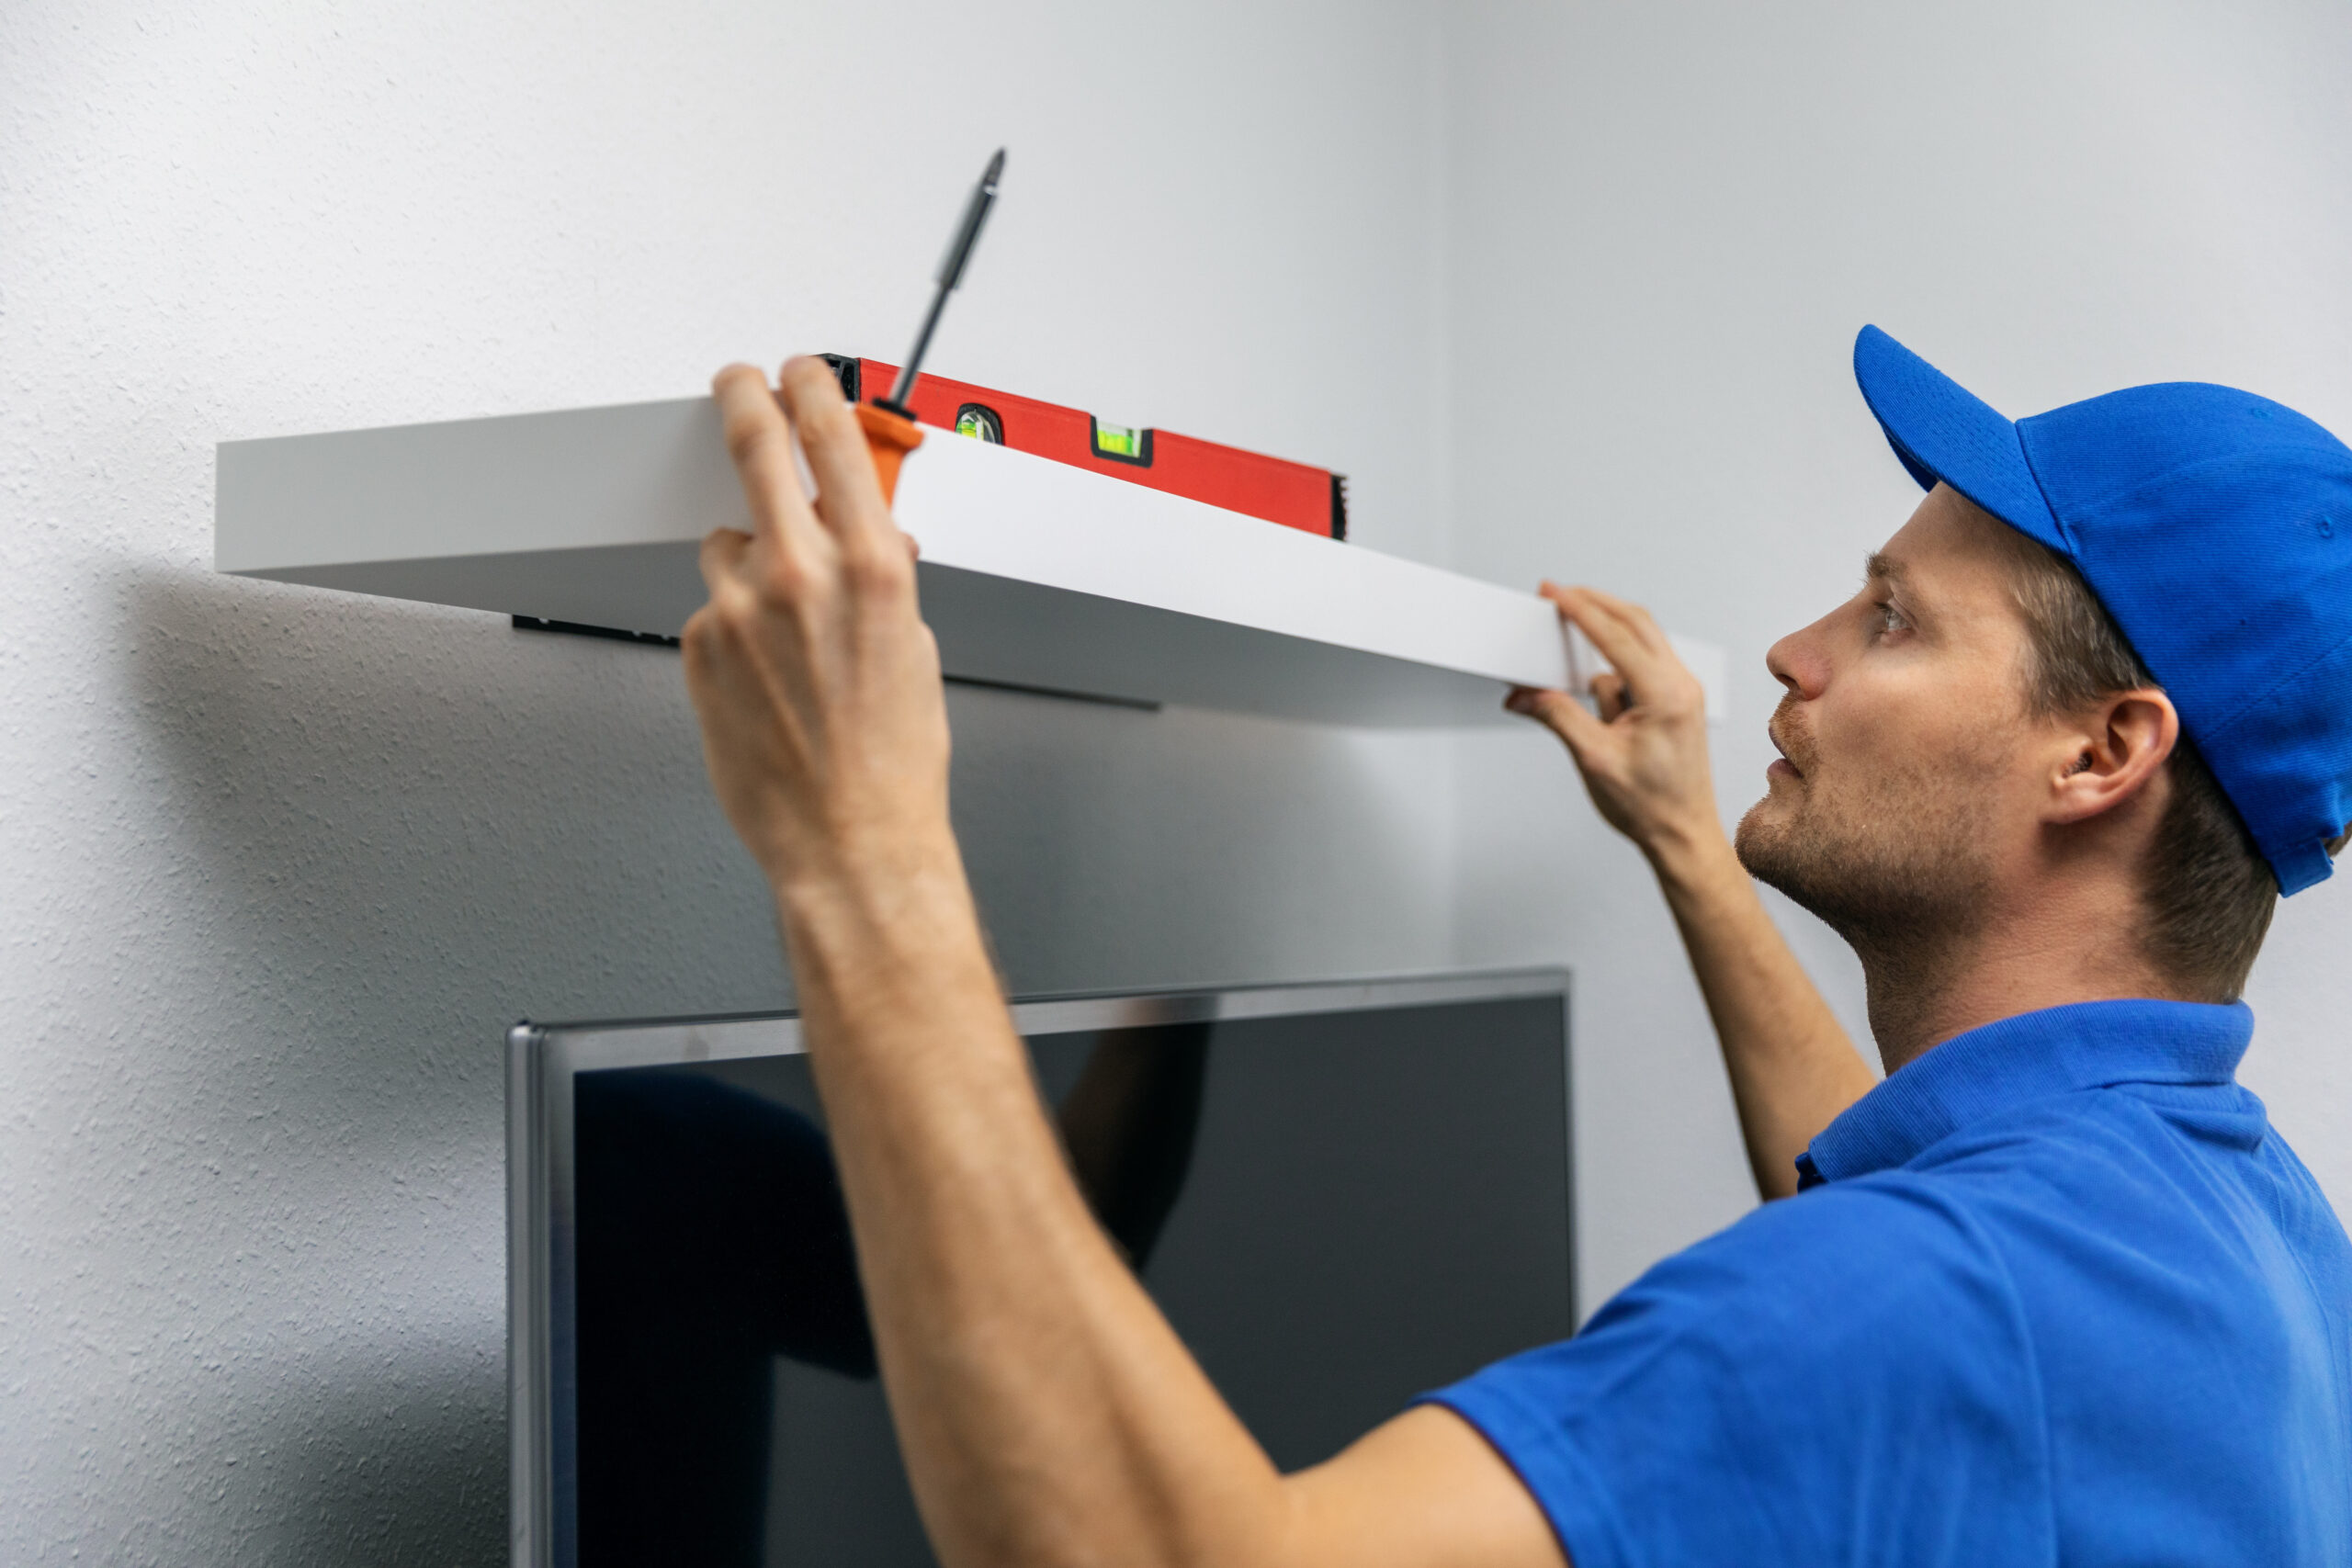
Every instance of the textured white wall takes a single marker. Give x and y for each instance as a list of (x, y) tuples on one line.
[(283, 864), (1670, 221)]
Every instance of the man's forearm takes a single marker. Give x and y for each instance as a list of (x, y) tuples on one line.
[(1048, 1412), (1643, 755), (1792, 1069)]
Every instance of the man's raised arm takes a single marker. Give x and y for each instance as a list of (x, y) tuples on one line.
[(1644, 761), (1048, 1412)]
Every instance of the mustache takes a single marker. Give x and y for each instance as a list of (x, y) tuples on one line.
[(1789, 733)]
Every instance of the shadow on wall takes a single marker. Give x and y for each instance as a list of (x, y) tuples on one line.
[(407, 1469), (399, 795), (1111, 848), (362, 837), (375, 835), (394, 798)]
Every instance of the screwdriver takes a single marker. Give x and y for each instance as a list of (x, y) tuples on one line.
[(890, 422)]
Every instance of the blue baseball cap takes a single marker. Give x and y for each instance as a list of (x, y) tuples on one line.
[(2216, 527)]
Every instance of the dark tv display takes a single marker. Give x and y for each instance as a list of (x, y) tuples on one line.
[(1341, 1196)]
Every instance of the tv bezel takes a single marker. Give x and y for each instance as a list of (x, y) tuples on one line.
[(543, 1058)]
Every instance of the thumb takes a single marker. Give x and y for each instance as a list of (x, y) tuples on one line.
[(1559, 713)]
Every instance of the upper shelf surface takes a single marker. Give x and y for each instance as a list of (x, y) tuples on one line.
[(1033, 573)]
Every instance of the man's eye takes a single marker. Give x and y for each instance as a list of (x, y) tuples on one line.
[(1890, 619)]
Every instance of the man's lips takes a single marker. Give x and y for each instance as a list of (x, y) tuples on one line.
[(1783, 765)]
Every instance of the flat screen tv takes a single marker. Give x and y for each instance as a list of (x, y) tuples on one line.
[(1341, 1195)]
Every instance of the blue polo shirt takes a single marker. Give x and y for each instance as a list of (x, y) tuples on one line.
[(2055, 1292)]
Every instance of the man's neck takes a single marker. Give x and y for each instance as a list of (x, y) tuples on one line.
[(1923, 991)]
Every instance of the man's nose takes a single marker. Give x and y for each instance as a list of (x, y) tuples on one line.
[(1800, 662)]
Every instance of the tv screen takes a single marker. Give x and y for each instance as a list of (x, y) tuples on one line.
[(1341, 1195)]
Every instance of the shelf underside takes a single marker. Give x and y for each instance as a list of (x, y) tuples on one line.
[(991, 629)]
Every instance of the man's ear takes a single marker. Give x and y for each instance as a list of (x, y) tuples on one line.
[(2110, 753)]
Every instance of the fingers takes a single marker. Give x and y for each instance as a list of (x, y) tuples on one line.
[(1559, 713), (1610, 693), (1634, 617), (1627, 636), (1605, 622), (733, 589), (722, 553), (849, 495), (760, 443), (735, 577)]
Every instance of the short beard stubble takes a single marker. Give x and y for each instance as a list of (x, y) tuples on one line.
[(1896, 864)]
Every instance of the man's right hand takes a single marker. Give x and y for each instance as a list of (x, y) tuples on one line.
[(1644, 756)]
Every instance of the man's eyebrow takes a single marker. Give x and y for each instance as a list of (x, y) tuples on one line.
[(1878, 567)]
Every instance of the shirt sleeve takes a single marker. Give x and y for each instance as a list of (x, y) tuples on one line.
[(1843, 1377)]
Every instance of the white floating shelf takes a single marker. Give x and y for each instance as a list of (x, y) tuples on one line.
[(1033, 573)]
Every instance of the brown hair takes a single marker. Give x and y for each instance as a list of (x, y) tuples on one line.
[(2209, 893)]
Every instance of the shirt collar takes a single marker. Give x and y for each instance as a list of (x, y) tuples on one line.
[(2030, 1056)]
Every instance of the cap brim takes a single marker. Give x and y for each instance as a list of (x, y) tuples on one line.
[(1942, 431)]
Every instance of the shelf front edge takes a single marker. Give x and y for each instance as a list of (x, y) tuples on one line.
[(594, 516)]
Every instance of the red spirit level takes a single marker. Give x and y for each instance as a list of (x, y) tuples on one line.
[(1292, 494)]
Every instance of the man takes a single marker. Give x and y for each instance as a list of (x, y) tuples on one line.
[(2052, 1292)]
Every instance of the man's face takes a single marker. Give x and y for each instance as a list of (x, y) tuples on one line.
[(1908, 769)]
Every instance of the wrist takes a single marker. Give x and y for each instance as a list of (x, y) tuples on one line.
[(907, 891), (874, 872), (1686, 853)]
